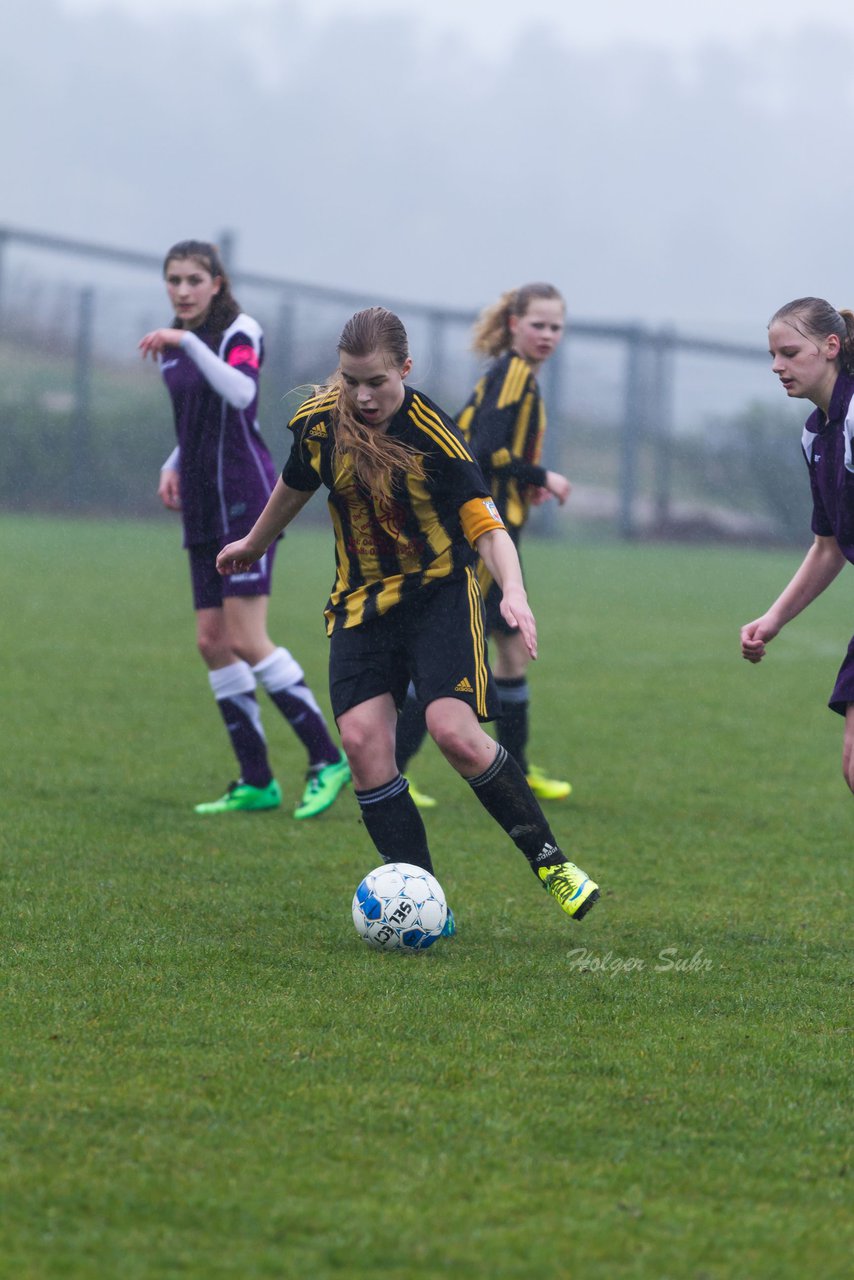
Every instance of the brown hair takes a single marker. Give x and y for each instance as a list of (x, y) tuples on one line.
[(224, 308), (491, 335), (818, 319), (377, 459)]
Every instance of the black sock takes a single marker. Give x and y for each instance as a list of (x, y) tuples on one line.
[(411, 731), (394, 824), (503, 791), (512, 728)]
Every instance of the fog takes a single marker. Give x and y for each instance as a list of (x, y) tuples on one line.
[(700, 189)]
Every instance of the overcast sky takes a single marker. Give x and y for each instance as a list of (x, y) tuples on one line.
[(491, 24), (663, 161)]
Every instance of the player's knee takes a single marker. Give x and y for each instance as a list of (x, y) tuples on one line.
[(364, 745), (212, 650), (457, 746)]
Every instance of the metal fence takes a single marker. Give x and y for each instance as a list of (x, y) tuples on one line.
[(660, 431)]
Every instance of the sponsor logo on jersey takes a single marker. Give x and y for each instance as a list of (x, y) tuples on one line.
[(318, 431)]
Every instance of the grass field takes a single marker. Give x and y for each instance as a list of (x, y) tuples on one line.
[(206, 1074)]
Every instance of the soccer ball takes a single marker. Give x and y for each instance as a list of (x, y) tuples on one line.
[(399, 907)]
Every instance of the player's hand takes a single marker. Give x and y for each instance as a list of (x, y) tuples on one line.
[(516, 611), (558, 485), (237, 557), (755, 636), (169, 489), (154, 343), (538, 495)]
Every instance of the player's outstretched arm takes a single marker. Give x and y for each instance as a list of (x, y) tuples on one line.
[(822, 563), (282, 506), (495, 547)]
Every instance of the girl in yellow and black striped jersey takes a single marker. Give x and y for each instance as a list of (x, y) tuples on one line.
[(504, 422), (410, 512)]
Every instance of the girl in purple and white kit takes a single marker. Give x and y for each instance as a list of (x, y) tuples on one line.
[(812, 346), (219, 477)]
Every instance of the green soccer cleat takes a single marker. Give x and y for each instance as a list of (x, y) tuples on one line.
[(547, 788), (419, 799), (322, 786), (571, 887), (449, 928), (241, 798)]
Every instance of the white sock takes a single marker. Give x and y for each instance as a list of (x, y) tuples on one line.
[(228, 682), (279, 670)]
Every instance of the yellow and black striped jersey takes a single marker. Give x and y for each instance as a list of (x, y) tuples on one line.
[(387, 548), (504, 421)]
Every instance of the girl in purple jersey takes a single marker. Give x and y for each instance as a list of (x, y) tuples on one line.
[(219, 477), (812, 346), (410, 512)]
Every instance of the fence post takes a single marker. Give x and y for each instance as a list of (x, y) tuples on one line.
[(552, 460), (80, 436), (631, 430), (662, 408), (227, 243), (436, 352)]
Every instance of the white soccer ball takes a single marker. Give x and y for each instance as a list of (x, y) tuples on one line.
[(399, 906)]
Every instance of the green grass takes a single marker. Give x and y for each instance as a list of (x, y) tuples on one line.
[(206, 1074)]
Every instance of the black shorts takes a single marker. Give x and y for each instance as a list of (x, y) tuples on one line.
[(437, 640)]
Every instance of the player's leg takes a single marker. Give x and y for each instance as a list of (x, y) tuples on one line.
[(509, 666), (284, 681), (503, 790), (233, 686), (454, 681), (367, 678), (510, 661), (411, 732)]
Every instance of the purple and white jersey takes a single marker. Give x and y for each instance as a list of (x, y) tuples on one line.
[(827, 447), (226, 470)]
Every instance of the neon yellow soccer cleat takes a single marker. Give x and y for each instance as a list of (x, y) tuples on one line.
[(571, 887), (241, 798), (419, 798), (322, 787), (547, 788)]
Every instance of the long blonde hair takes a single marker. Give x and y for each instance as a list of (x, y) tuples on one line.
[(491, 334), (819, 320), (376, 458)]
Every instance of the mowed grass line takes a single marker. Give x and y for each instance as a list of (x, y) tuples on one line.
[(206, 1074)]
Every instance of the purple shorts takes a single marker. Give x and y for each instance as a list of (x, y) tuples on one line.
[(210, 588), (843, 690)]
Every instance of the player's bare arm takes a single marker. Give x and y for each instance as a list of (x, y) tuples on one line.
[(282, 506), (496, 549), (822, 563)]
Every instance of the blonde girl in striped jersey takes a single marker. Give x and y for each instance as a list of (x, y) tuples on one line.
[(504, 422), (410, 513)]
